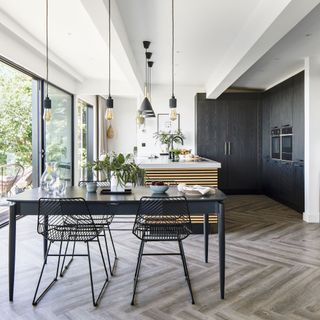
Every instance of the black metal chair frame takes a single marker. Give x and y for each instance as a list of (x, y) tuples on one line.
[(159, 219), (106, 225), (56, 225)]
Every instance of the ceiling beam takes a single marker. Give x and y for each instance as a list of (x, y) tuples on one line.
[(265, 27), (121, 49)]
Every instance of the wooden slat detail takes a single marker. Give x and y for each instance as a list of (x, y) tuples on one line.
[(207, 177)]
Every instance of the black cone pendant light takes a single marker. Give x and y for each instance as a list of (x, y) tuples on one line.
[(146, 107), (47, 115), (109, 111), (173, 100), (150, 64)]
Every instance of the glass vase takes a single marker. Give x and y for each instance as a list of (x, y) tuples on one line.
[(49, 178)]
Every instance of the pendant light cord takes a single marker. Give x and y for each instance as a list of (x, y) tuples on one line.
[(109, 50), (146, 83), (47, 45), (172, 52)]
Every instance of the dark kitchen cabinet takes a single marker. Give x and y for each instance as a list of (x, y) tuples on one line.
[(284, 105), (231, 139)]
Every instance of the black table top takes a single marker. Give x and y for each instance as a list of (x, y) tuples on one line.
[(33, 195)]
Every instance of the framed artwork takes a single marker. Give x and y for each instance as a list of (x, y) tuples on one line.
[(164, 124)]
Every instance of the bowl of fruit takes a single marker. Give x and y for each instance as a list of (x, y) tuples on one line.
[(159, 187)]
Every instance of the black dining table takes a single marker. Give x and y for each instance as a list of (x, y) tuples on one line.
[(26, 203)]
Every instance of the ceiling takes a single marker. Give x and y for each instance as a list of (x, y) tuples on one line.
[(218, 43), (73, 36), (286, 57), (204, 30)]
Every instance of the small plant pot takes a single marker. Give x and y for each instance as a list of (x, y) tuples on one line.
[(91, 187)]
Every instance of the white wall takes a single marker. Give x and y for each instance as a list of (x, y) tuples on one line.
[(312, 140), (124, 125), (160, 102)]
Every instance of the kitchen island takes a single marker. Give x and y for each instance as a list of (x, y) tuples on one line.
[(200, 171)]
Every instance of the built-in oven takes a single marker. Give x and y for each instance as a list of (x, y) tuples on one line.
[(286, 143), (275, 143)]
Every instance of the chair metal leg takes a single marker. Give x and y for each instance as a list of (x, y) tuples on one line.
[(114, 249), (184, 262), (35, 299), (64, 269), (107, 249), (96, 302), (136, 275)]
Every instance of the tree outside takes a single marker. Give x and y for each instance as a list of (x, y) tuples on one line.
[(16, 116)]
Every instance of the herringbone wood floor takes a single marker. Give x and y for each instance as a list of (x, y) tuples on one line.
[(273, 272)]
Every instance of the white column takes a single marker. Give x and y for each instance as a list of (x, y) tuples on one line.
[(312, 139)]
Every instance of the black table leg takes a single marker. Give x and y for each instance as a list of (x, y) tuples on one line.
[(206, 232), (221, 231), (12, 248), (45, 241)]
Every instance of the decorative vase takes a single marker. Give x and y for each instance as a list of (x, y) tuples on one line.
[(115, 184), (49, 178)]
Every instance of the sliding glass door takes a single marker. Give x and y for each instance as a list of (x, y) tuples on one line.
[(84, 139), (58, 141)]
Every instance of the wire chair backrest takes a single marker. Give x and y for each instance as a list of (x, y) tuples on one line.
[(163, 211), (59, 213)]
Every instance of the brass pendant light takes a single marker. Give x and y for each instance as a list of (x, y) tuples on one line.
[(109, 111), (173, 100), (47, 114)]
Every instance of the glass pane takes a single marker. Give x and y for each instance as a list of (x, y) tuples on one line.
[(15, 131), (82, 138), (58, 142)]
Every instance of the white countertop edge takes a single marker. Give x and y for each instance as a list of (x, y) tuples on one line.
[(160, 162)]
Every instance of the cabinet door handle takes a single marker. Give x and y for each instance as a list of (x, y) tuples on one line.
[(229, 147), (225, 148)]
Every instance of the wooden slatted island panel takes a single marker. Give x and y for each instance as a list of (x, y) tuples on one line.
[(203, 172)]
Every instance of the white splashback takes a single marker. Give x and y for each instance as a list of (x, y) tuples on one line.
[(160, 102)]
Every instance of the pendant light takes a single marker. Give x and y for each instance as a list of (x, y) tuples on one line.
[(173, 100), (109, 111), (150, 64), (146, 107), (47, 114)]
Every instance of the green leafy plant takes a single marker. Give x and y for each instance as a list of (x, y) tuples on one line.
[(123, 167), (166, 138)]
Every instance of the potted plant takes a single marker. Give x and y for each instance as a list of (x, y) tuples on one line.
[(119, 169), (167, 139), (176, 153)]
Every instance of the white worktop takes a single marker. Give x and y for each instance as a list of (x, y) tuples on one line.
[(164, 162)]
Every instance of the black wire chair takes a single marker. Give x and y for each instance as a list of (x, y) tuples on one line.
[(67, 220), (106, 212), (162, 219)]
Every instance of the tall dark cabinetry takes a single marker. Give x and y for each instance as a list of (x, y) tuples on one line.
[(228, 132), (284, 105)]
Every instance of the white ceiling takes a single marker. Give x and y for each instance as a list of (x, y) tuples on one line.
[(204, 30), (216, 41), (72, 34), (286, 57)]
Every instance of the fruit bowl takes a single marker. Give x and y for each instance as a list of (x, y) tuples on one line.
[(159, 187)]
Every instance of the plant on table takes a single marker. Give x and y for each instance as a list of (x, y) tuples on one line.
[(120, 167)]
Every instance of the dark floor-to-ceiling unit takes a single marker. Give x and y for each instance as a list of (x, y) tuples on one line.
[(235, 129)]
